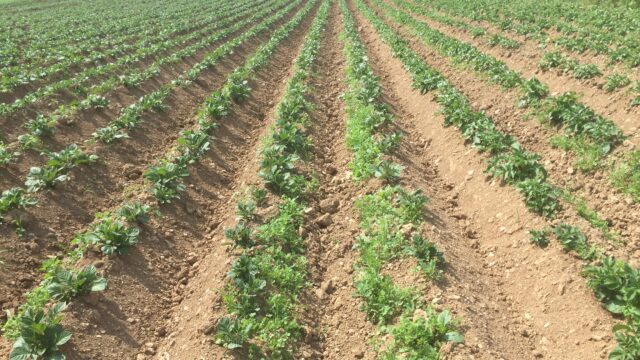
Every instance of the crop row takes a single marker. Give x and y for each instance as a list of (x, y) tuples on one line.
[(55, 170), (268, 276), (590, 136), (128, 46), (77, 83), (601, 31), (36, 41), (43, 126), (509, 161), (514, 165), (550, 59), (409, 327), (614, 282), (37, 331)]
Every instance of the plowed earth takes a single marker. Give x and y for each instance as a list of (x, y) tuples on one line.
[(514, 301)]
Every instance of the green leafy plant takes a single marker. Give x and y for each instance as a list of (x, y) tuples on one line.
[(578, 120), (94, 101), (616, 81), (628, 339), (246, 210), (503, 42), (29, 142), (532, 92), (382, 299), (258, 194), (41, 126), (240, 235), (516, 165), (539, 196), (64, 285), (110, 234), (135, 212), (155, 100), (217, 105), (552, 59), (388, 171), (429, 257), (539, 237), (109, 134), (587, 71), (6, 154), (626, 176), (192, 145), (237, 86), (15, 198), (617, 284), (41, 335), (232, 333), (167, 180), (19, 228), (422, 336), (56, 167), (572, 239)]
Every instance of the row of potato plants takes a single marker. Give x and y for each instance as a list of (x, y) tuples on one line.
[(265, 281), (552, 59), (166, 175), (615, 283), (43, 52), (43, 126), (44, 46), (129, 47), (78, 83), (36, 328), (509, 161), (408, 327), (503, 166), (597, 30), (53, 172), (476, 31), (593, 134), (42, 43), (610, 286), (588, 135)]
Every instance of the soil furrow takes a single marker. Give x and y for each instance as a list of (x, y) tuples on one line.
[(541, 296), (136, 312), (77, 68), (340, 328), (82, 124), (525, 61), (595, 188), (187, 242), (72, 205)]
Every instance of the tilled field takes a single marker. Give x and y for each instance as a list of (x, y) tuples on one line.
[(328, 179)]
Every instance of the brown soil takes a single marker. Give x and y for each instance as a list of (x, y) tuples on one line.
[(71, 206), (21, 90), (118, 98), (531, 51), (525, 60), (514, 301), (533, 293), (594, 187)]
